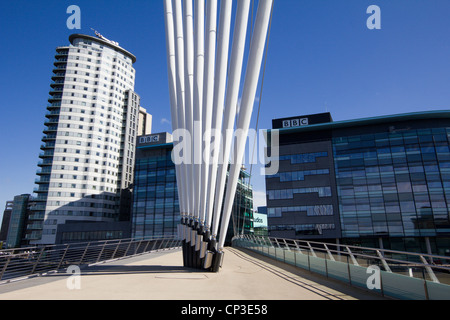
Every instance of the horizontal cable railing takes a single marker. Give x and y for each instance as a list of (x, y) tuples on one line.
[(428, 273), (23, 262)]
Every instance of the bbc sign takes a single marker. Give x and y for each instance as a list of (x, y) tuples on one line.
[(149, 139), (295, 123)]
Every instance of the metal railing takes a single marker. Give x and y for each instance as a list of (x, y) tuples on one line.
[(401, 274), (24, 262)]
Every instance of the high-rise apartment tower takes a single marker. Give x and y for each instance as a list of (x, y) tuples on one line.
[(89, 141)]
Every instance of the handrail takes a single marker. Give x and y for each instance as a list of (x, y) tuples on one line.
[(80, 243), (352, 251), (390, 259), (416, 278), (24, 262), (366, 248)]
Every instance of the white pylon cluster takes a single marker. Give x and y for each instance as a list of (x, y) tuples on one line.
[(204, 86)]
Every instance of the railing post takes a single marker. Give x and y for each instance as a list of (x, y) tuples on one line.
[(252, 242), (309, 263), (298, 248), (275, 249), (295, 253), (425, 287), (101, 251), (349, 273), (174, 244), (165, 243), (84, 253), (169, 244), (137, 248), (278, 244), (117, 248), (63, 256), (312, 250), (128, 248), (37, 260), (329, 252), (287, 246), (259, 242), (429, 270), (160, 245), (355, 262), (154, 245), (146, 246), (6, 266), (383, 261)]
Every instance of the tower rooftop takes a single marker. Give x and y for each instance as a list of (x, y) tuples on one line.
[(104, 41)]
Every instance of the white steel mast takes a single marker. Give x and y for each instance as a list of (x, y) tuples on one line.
[(204, 90)]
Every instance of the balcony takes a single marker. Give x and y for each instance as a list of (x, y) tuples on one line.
[(56, 90), (49, 137), (53, 113), (51, 129), (54, 98), (48, 145), (40, 190), (35, 226), (42, 197), (57, 83), (42, 180), (47, 162), (60, 61), (46, 154), (59, 69), (54, 106), (58, 75), (37, 216), (61, 52), (51, 121), (35, 235)]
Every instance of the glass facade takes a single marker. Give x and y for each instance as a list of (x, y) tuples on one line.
[(300, 201), (81, 236), (155, 211), (155, 204), (386, 180), (17, 221), (394, 184), (242, 213)]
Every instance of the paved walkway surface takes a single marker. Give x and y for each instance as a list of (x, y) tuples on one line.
[(161, 276)]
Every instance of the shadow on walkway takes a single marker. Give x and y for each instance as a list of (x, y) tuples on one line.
[(133, 269), (304, 277)]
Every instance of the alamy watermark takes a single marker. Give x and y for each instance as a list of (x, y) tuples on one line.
[(374, 21), (74, 20), (74, 281), (374, 280), (212, 148)]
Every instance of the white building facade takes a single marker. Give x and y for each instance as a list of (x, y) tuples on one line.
[(90, 136)]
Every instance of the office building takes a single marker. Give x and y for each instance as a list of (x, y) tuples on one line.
[(375, 182), (242, 215), (156, 210), (260, 222), (155, 198), (15, 221), (88, 146), (5, 220)]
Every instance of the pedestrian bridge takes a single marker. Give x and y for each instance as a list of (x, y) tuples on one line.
[(254, 268), (394, 274)]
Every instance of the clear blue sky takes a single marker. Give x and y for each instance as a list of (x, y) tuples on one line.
[(321, 57)]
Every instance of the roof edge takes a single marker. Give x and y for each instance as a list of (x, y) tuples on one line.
[(74, 36), (424, 115)]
